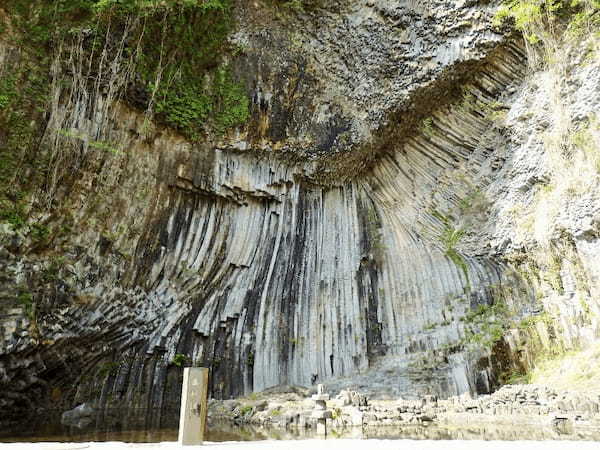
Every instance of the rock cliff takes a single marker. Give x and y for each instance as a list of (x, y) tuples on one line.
[(317, 190)]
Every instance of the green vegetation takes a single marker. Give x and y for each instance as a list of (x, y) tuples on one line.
[(475, 202), (541, 20), (173, 53), (486, 324), (38, 232), (108, 368), (530, 16), (515, 377), (427, 126), (230, 102), (336, 413), (585, 309), (179, 360), (111, 147), (52, 271), (175, 47), (13, 212), (8, 91), (246, 410), (151, 6), (250, 359), (584, 138), (449, 237), (492, 110), (25, 299), (19, 109), (188, 105), (299, 5), (430, 326), (192, 89), (552, 274), (531, 322)]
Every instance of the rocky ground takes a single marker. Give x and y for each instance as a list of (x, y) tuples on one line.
[(523, 404)]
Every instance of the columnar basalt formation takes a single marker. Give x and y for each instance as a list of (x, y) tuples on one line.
[(349, 226)]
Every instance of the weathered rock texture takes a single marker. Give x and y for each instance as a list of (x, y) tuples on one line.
[(525, 405), (361, 220)]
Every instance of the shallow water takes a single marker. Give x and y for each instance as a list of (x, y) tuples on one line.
[(49, 430)]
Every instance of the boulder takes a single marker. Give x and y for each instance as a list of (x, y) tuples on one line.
[(79, 417)]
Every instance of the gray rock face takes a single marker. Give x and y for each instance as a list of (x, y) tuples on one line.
[(352, 398), (362, 235), (361, 61), (80, 417)]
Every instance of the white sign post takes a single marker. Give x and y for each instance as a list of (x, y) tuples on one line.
[(194, 406)]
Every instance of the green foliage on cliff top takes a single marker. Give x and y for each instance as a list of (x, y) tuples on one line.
[(25, 299), (538, 20), (182, 44), (74, 11), (151, 6), (197, 92), (175, 47)]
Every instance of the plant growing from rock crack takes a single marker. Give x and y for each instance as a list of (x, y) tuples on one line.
[(427, 126), (295, 4), (25, 299), (485, 324), (449, 237), (107, 369), (179, 359), (515, 376)]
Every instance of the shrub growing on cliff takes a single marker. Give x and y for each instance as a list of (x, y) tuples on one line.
[(151, 6), (300, 5), (192, 89), (179, 360), (449, 237), (486, 324), (169, 51), (540, 20), (185, 107)]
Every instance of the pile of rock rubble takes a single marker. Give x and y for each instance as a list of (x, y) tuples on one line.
[(523, 404)]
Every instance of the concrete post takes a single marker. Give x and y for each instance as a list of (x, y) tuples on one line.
[(194, 406), (320, 413)]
